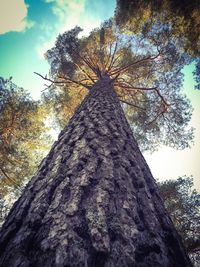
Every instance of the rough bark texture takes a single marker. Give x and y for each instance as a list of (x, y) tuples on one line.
[(93, 201)]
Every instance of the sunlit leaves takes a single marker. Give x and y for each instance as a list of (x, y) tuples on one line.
[(62, 102), (22, 134), (183, 18)]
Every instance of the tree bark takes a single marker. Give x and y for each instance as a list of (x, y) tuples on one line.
[(93, 201)]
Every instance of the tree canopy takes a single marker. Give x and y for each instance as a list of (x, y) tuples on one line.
[(22, 134), (183, 17), (145, 69), (182, 202)]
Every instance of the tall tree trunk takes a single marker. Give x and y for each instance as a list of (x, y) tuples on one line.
[(93, 201)]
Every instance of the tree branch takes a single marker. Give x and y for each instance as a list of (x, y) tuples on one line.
[(112, 58), (91, 79), (131, 104), (76, 82), (122, 69), (143, 89), (10, 179), (88, 64), (61, 82), (158, 115), (130, 88), (115, 59)]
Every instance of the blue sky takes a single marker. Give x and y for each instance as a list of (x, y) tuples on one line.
[(34, 31), (28, 29)]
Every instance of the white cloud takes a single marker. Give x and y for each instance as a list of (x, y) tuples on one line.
[(44, 46), (69, 14), (63, 8), (13, 16)]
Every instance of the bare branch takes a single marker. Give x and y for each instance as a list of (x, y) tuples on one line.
[(47, 79), (61, 82), (131, 88), (115, 60), (113, 56), (123, 69), (115, 78), (76, 82), (9, 178), (130, 104), (85, 73), (89, 64)]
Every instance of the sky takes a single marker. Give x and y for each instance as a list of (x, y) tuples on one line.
[(29, 28)]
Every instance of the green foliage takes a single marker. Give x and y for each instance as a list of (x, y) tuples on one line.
[(61, 104), (23, 138), (182, 202), (146, 72), (183, 17)]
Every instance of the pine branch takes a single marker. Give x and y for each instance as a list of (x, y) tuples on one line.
[(9, 178), (113, 55), (123, 69), (130, 104), (88, 64), (130, 88), (115, 60), (61, 82), (87, 75), (158, 115)]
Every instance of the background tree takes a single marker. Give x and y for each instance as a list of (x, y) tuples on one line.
[(8, 197), (23, 135), (182, 202), (182, 16)]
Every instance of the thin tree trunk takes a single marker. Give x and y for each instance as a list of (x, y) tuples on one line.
[(93, 201)]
